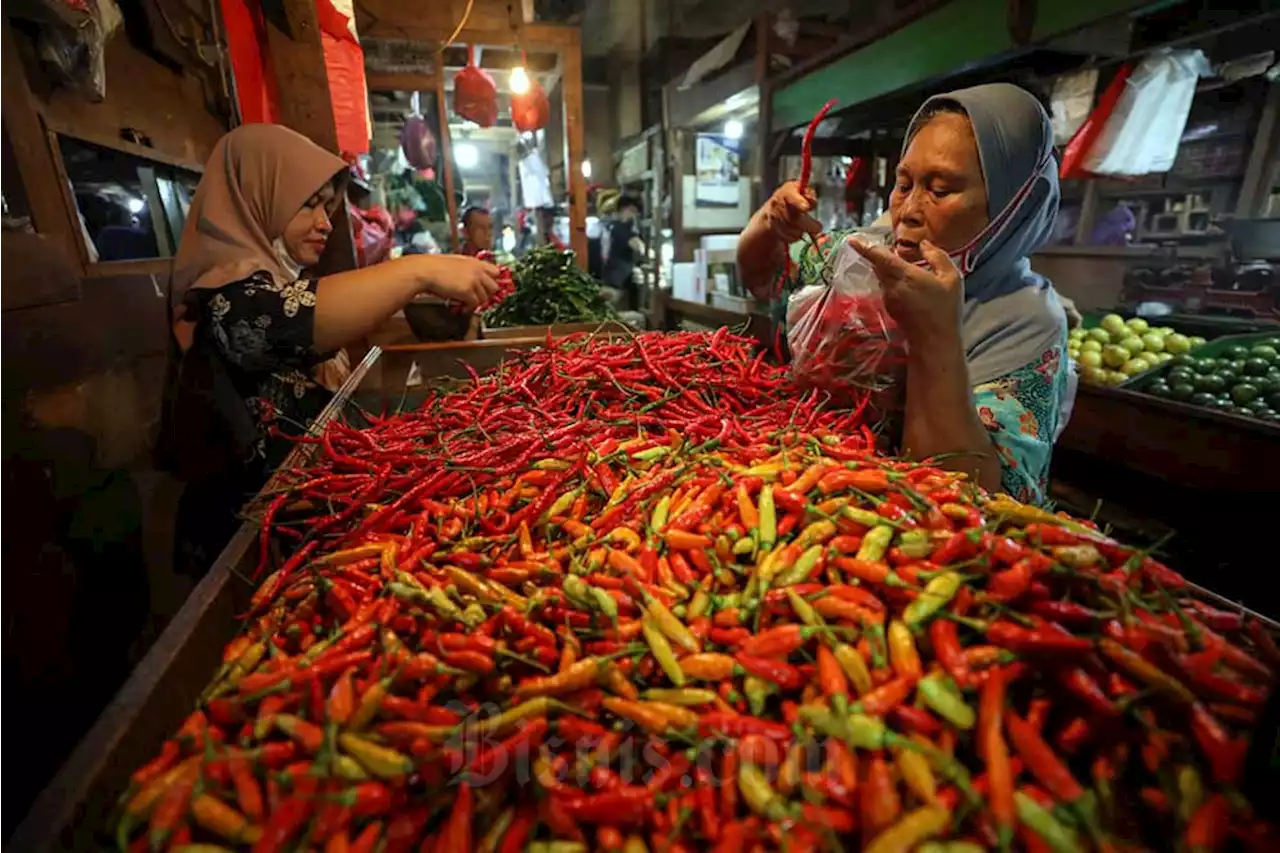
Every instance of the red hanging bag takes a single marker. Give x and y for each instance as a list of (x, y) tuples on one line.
[(475, 96), (1077, 150)]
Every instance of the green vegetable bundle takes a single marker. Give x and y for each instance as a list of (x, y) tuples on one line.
[(551, 288)]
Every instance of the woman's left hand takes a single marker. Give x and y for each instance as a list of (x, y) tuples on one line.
[(925, 301)]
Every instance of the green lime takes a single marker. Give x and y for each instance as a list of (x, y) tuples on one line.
[(1205, 365), (1180, 374), (1184, 360), (1258, 405), (1211, 382), (1202, 398), (1266, 352), (1255, 367), (1229, 375), (1159, 388), (1244, 393), (1273, 400), (1182, 391), (1235, 353)]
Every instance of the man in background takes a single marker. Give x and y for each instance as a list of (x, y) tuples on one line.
[(625, 249), (477, 224)]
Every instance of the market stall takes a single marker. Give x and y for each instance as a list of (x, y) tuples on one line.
[(457, 588)]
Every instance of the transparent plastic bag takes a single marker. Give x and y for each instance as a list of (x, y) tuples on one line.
[(842, 339)]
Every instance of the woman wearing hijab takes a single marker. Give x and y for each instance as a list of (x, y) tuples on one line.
[(987, 378), (250, 327)]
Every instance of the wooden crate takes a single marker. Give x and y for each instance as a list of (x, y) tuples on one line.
[(558, 330), (73, 812), (1183, 444)]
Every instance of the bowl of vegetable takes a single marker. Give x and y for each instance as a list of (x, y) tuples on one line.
[(434, 320)]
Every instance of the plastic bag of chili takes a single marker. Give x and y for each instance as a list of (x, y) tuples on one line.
[(842, 339)]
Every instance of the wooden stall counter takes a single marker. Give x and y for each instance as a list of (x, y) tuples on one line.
[(1181, 444)]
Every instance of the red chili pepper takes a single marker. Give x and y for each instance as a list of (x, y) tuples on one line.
[(1041, 761)]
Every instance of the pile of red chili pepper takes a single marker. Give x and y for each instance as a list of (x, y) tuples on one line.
[(653, 632)]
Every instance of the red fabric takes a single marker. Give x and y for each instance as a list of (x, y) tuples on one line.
[(348, 92), (1073, 156), (246, 44)]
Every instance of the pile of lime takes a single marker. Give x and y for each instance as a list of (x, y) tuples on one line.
[(1118, 349), (1244, 381)]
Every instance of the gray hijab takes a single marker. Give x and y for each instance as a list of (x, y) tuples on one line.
[(1011, 315)]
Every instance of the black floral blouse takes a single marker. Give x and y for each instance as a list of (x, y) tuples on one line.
[(264, 333)]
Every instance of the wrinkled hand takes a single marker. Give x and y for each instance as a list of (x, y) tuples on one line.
[(786, 213), (463, 279), (924, 301)]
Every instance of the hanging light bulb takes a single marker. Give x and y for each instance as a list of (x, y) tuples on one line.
[(519, 80), (733, 129), (586, 169)]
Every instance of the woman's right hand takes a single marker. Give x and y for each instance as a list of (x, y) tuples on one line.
[(786, 214), (461, 278)]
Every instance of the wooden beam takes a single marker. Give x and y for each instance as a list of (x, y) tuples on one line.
[(446, 163), (1256, 186), (297, 58), (39, 165), (542, 37), (384, 81), (571, 58)]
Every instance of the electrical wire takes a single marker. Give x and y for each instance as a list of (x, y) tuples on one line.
[(465, 15)]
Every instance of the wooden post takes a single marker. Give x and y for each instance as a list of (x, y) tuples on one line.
[(1258, 175), (53, 216), (446, 161), (297, 57), (766, 174), (571, 58)]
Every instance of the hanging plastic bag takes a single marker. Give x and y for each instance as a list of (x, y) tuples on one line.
[(842, 339), (418, 142), (530, 110), (1082, 141), (1141, 136), (344, 62), (475, 95), (72, 40)]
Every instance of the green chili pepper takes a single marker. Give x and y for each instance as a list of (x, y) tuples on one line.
[(915, 544), (1190, 792), (866, 732), (804, 609), (865, 517), (939, 693), (607, 603), (658, 520), (800, 570), (700, 604), (652, 454), (662, 652), (1042, 822), (936, 594), (768, 519), (875, 543), (759, 794)]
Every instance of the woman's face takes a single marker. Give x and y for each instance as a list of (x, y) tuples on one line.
[(940, 195), (307, 233)]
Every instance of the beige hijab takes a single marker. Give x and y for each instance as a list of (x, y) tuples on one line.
[(257, 178)]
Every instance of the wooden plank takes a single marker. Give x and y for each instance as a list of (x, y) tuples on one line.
[(387, 81), (146, 266), (1176, 442), (446, 160), (571, 60), (73, 810), (38, 164), (532, 37), (83, 134)]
